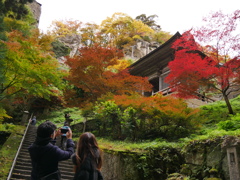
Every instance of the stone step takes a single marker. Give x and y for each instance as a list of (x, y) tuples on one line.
[(21, 176), (24, 153), (23, 167), (22, 171), (24, 160), (24, 156), (22, 163)]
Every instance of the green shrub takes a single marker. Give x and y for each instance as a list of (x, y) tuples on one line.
[(138, 118), (230, 125)]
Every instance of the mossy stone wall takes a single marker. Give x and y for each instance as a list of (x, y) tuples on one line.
[(120, 167), (197, 160)]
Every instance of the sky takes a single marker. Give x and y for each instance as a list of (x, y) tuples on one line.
[(173, 15)]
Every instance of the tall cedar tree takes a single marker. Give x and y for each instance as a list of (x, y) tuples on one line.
[(212, 68), (91, 77)]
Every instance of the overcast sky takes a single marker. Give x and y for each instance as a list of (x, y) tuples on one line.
[(173, 15)]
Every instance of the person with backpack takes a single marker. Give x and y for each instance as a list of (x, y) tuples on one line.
[(88, 158)]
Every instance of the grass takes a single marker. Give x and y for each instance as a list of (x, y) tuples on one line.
[(9, 149), (139, 147)]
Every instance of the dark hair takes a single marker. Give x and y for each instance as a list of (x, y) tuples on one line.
[(87, 145), (45, 129)]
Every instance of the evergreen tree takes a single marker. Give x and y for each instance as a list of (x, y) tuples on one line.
[(14, 8)]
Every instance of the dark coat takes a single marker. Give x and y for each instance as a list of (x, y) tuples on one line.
[(45, 158), (88, 170)]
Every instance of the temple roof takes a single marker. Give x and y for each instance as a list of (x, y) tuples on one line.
[(156, 60)]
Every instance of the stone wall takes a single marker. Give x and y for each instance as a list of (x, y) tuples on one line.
[(201, 156), (119, 167), (198, 160), (36, 10), (88, 126)]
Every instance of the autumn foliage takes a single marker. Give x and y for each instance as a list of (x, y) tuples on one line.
[(213, 67), (137, 117), (29, 66), (190, 68), (92, 75)]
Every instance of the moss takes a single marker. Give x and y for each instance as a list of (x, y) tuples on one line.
[(176, 176), (9, 150)]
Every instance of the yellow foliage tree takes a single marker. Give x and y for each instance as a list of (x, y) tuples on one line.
[(122, 30), (63, 28)]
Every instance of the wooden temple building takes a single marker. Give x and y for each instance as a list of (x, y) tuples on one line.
[(155, 66)]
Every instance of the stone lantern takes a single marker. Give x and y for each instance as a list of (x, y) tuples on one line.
[(232, 144)]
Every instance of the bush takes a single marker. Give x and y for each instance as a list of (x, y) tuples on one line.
[(230, 125), (136, 117)]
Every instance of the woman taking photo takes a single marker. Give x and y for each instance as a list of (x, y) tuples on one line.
[(87, 160)]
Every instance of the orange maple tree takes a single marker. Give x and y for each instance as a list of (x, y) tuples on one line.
[(212, 68), (90, 76)]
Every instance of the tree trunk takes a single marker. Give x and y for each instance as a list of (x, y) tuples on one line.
[(229, 106), (84, 124), (116, 127)]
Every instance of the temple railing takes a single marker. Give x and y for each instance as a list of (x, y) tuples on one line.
[(167, 91)]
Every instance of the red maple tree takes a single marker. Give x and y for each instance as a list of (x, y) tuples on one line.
[(91, 76), (212, 67)]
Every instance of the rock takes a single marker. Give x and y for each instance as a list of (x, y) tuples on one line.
[(73, 42), (36, 10), (140, 49)]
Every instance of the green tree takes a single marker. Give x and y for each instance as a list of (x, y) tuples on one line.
[(29, 67), (60, 49), (14, 8)]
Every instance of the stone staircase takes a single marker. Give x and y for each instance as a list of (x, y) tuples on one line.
[(22, 167), (195, 103)]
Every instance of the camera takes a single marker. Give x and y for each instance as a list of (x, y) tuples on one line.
[(64, 131)]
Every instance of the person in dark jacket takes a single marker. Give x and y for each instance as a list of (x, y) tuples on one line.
[(68, 119), (87, 160), (45, 155), (34, 120)]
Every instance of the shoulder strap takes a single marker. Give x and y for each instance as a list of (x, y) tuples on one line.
[(94, 168)]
